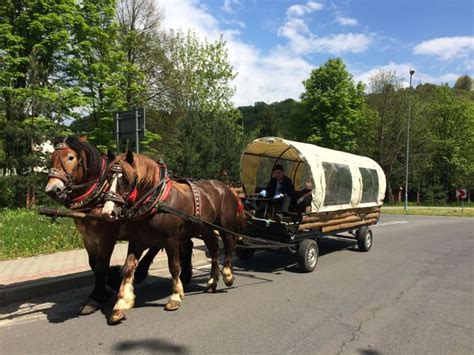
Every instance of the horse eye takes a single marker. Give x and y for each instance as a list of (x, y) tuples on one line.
[(70, 158)]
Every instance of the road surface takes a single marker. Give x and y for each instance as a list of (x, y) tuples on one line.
[(412, 293)]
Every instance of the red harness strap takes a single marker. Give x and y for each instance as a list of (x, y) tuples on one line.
[(240, 206), (91, 189), (133, 196), (162, 198)]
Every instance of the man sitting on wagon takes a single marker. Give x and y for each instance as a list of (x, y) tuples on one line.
[(280, 188)]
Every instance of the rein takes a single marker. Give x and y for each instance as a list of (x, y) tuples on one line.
[(145, 206), (93, 194)]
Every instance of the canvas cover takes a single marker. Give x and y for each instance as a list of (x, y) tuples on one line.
[(338, 180)]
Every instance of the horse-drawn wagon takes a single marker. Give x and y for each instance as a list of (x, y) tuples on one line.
[(131, 197), (345, 194)]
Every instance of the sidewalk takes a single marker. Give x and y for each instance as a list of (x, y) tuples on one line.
[(24, 278)]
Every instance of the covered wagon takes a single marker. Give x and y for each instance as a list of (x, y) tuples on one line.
[(343, 193)]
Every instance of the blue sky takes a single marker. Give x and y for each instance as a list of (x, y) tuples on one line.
[(273, 45)]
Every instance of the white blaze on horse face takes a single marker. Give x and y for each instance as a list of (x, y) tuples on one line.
[(110, 209)]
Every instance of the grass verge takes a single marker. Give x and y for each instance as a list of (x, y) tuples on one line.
[(25, 233), (427, 211)]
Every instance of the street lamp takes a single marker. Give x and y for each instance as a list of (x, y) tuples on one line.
[(408, 142)]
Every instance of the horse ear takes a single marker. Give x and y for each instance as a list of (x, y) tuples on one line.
[(110, 155), (83, 139), (129, 157)]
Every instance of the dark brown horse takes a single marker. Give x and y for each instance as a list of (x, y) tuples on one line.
[(133, 179), (77, 179)]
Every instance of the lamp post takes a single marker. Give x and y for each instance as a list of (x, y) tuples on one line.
[(408, 142)]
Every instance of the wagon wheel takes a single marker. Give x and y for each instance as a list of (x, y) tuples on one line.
[(244, 253), (308, 253), (364, 238)]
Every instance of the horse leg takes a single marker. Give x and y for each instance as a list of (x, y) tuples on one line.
[(185, 257), (141, 272), (99, 260), (227, 274), (210, 239), (126, 296), (177, 296)]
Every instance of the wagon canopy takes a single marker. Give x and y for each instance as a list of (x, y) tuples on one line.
[(338, 180)]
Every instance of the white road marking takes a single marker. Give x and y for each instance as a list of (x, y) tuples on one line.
[(390, 223)]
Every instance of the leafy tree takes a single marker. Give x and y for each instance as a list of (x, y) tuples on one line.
[(202, 112), (388, 102), (463, 83), (452, 121), (35, 38), (332, 107), (97, 65)]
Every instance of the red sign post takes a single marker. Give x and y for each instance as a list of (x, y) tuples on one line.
[(461, 194)]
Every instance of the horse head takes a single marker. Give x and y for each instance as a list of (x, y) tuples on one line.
[(74, 163)]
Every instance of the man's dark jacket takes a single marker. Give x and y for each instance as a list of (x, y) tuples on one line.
[(287, 187)]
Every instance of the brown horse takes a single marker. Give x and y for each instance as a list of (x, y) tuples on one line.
[(77, 179), (133, 179)]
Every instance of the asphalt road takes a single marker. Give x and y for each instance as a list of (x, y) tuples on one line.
[(412, 293)]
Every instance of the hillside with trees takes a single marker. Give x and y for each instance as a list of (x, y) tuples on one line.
[(335, 112), (66, 67)]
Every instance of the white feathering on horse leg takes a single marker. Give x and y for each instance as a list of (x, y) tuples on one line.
[(227, 275), (127, 301)]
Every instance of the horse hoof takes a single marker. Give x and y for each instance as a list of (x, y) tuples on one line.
[(88, 308), (210, 288), (117, 316), (229, 281), (172, 305)]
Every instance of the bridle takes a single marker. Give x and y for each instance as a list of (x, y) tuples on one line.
[(65, 176), (131, 208), (127, 197), (94, 189)]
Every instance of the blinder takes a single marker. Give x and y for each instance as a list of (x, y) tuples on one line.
[(125, 198)]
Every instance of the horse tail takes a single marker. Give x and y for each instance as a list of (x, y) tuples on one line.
[(241, 216)]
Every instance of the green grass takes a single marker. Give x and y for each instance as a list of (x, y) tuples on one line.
[(429, 211), (26, 233)]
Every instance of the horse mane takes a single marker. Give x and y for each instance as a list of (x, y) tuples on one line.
[(143, 168), (92, 159)]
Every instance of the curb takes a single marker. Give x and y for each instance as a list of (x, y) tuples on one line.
[(24, 291)]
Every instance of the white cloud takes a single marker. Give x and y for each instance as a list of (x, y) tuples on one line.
[(261, 77), (230, 6), (402, 71), (447, 48), (300, 10), (346, 21), (302, 42)]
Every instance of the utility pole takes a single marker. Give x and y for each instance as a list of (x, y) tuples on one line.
[(408, 142)]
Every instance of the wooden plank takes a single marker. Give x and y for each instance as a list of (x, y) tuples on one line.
[(348, 225), (53, 212)]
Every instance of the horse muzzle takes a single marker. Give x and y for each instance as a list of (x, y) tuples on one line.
[(56, 190)]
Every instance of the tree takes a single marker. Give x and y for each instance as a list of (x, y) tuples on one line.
[(204, 132), (332, 107), (98, 67), (451, 121), (464, 82), (389, 103), (35, 39)]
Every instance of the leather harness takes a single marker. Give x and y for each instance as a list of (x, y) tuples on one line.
[(92, 197)]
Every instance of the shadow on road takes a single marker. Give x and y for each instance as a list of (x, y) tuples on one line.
[(149, 345), (276, 261), (63, 306)]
